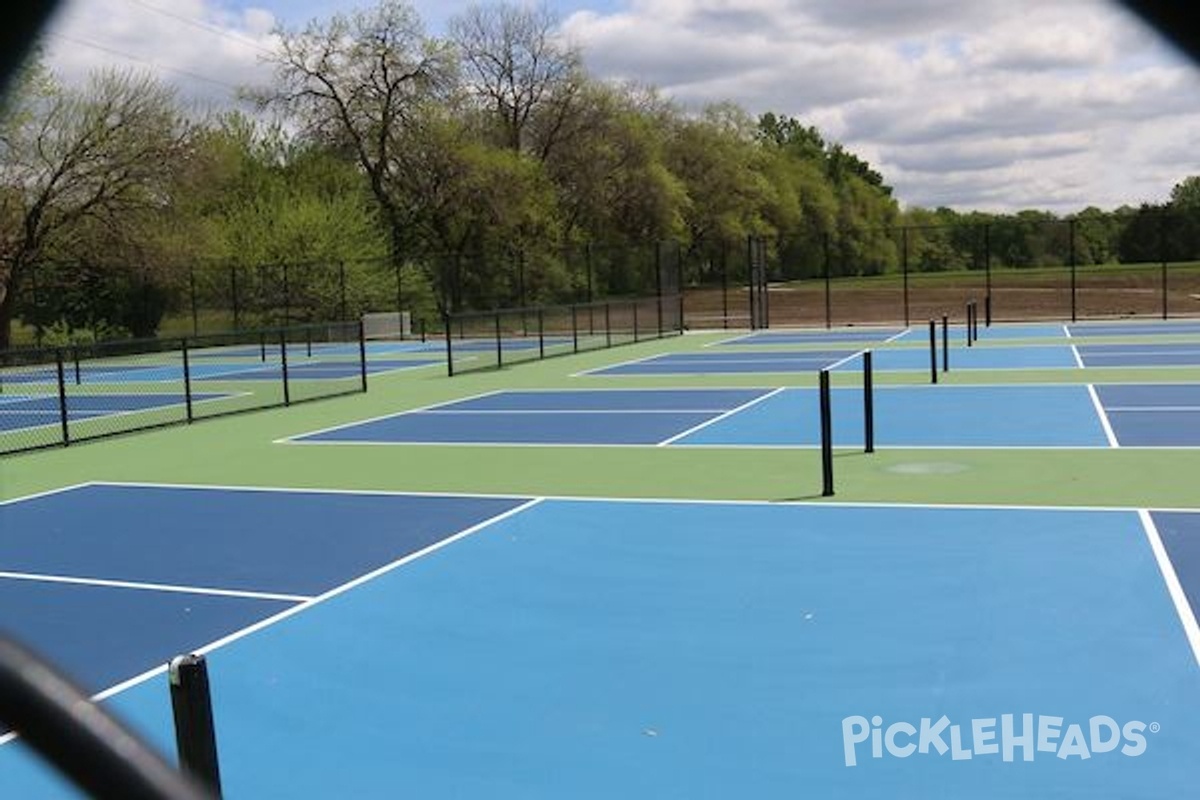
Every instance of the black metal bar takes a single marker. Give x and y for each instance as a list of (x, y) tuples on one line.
[(449, 346), (78, 372), (499, 343), (342, 290), (287, 394), (987, 271), (78, 737), (195, 734), (192, 288), (828, 284), (233, 284), (933, 351), (1071, 249), (1162, 254), (575, 329), (187, 379), (826, 435), (362, 352), (945, 343), (635, 321), (62, 399), (308, 342), (975, 320), (262, 346), (904, 269), (868, 403), (541, 334), (968, 325)]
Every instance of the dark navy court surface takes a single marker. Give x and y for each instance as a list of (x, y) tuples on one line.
[(610, 416), (714, 361), (1131, 328), (232, 557), (600, 648), (1149, 354)]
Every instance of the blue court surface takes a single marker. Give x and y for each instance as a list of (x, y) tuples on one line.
[(30, 411), (905, 416), (712, 362), (599, 648)]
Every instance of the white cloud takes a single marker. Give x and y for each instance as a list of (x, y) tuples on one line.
[(204, 50), (1002, 104)]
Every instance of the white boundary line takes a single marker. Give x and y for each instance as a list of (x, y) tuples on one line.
[(1078, 358), (35, 577), (720, 417), (1066, 329), (1174, 588), (1103, 417), (604, 499)]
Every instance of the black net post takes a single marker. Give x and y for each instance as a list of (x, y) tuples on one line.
[(187, 379), (449, 345), (904, 269), (362, 353), (868, 403), (933, 352), (287, 398), (195, 735), (62, 398), (987, 272), (945, 343), (541, 320), (1071, 259), (78, 371), (499, 342), (968, 326), (826, 435), (262, 346), (575, 329), (828, 282), (635, 321)]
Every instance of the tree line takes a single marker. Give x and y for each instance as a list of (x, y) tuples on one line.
[(448, 160)]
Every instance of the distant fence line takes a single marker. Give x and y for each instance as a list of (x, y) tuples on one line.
[(493, 339), (56, 396), (1139, 263)]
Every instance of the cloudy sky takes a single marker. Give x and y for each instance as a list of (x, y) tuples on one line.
[(990, 104)]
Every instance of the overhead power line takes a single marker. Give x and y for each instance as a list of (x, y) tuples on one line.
[(205, 26), (142, 60)]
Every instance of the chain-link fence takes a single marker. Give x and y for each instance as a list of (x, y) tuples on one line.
[(57, 396)]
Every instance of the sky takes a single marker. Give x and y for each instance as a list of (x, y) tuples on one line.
[(990, 105)]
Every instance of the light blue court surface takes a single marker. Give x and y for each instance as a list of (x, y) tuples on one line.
[(724, 362), (905, 416), (601, 649), (31, 411)]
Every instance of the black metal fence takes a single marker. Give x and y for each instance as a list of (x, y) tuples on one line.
[(51, 397), (493, 339), (1143, 262)]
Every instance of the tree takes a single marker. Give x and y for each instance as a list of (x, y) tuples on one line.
[(356, 83), (520, 72), (100, 156)]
